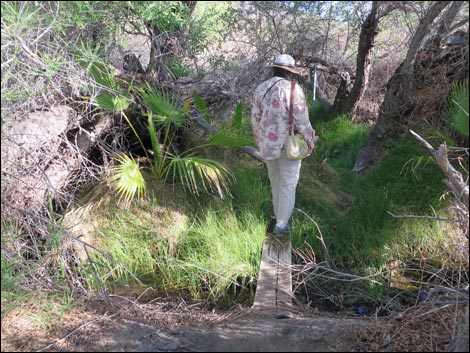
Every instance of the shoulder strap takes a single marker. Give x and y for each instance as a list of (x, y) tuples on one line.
[(291, 108)]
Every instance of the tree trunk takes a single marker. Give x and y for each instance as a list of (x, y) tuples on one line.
[(191, 5), (159, 48), (347, 98), (163, 45), (397, 105)]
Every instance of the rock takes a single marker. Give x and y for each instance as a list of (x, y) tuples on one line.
[(41, 153)]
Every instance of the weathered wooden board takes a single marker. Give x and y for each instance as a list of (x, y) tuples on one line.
[(274, 286), (284, 275), (266, 285)]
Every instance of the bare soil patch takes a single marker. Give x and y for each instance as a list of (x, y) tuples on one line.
[(163, 325)]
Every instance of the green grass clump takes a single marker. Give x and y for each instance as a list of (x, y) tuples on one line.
[(340, 141), (252, 191), (185, 245), (223, 251), (210, 248)]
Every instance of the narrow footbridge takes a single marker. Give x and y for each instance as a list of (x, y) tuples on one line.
[(274, 286)]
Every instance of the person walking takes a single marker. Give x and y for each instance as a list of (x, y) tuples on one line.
[(270, 120)]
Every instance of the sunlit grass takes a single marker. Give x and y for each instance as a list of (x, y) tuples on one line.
[(211, 248), (181, 244), (221, 252), (355, 213)]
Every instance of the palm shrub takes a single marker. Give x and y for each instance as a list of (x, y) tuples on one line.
[(109, 97), (127, 177), (164, 118), (231, 133)]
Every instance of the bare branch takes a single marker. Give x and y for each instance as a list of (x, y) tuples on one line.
[(456, 182), (421, 217)]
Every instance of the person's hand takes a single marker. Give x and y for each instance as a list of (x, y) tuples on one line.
[(314, 137)]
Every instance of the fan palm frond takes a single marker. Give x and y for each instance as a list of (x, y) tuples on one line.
[(195, 172), (458, 108), (230, 137), (128, 177), (237, 117), (201, 105), (166, 110), (111, 102), (232, 133)]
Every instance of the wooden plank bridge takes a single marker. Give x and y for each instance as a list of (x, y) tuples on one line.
[(274, 286)]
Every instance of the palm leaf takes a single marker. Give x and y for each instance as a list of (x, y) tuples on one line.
[(458, 108), (232, 133), (128, 178), (196, 172), (103, 75), (105, 101), (237, 117), (201, 105), (111, 102), (230, 137), (166, 111), (157, 156)]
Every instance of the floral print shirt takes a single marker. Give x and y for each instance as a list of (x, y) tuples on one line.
[(270, 117)]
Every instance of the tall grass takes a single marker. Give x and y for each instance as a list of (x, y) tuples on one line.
[(353, 209), (210, 248), (340, 140), (353, 212), (223, 251), (184, 245)]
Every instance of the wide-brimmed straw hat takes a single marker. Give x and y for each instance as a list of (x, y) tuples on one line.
[(286, 62)]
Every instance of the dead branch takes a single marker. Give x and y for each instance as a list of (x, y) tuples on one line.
[(455, 181), (421, 217)]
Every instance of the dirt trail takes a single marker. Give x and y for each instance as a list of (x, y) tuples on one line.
[(172, 325), (178, 327), (263, 332)]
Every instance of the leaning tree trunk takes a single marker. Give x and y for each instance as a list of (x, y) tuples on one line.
[(347, 98), (398, 104), (165, 44)]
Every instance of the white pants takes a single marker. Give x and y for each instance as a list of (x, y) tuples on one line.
[(284, 175)]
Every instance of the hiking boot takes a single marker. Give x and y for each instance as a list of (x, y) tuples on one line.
[(282, 230), (271, 223)]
